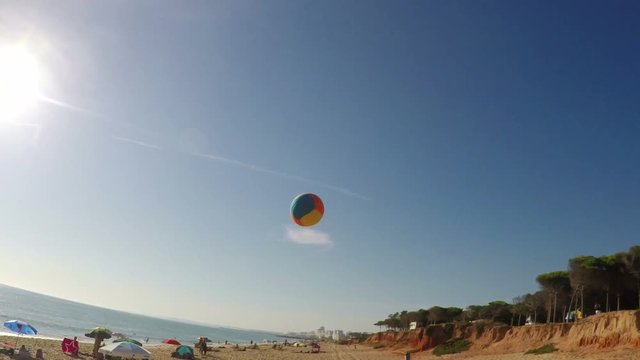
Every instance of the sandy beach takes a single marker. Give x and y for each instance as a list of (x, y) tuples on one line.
[(52, 351), (619, 354)]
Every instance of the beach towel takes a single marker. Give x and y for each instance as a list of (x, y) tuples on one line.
[(70, 346)]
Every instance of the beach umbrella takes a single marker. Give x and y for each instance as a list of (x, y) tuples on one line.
[(20, 327), (171, 342), (125, 350), (184, 352), (98, 333), (128, 340)]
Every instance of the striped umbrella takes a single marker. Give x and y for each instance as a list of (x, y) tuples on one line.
[(129, 340)]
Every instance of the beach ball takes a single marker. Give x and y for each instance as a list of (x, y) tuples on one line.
[(307, 209)]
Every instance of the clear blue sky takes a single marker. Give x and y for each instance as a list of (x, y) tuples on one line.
[(460, 148)]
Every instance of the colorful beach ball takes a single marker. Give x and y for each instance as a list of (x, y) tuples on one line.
[(307, 209)]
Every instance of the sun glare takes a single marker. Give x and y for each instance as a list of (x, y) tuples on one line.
[(19, 82)]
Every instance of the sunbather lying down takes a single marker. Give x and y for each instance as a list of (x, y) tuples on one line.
[(6, 348)]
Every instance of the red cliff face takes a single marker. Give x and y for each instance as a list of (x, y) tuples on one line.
[(602, 331)]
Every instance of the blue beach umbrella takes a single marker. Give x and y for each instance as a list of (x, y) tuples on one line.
[(20, 327)]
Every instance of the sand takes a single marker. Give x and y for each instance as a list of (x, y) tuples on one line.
[(619, 354), (52, 351)]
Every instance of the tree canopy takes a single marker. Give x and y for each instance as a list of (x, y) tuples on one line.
[(590, 282)]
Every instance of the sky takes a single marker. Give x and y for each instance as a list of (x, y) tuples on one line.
[(460, 148)]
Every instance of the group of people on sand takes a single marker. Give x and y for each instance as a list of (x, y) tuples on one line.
[(24, 353)]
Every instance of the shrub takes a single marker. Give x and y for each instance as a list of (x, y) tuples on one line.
[(480, 326), (545, 349), (452, 347), (448, 330)]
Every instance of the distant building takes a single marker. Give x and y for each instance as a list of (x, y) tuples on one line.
[(338, 335)]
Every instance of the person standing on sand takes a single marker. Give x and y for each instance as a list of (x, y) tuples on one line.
[(76, 346), (203, 346)]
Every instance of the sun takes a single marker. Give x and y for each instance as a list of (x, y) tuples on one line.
[(19, 82)]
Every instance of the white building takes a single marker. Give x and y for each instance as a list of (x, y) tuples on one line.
[(338, 335)]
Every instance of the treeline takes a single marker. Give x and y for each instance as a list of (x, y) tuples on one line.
[(589, 284)]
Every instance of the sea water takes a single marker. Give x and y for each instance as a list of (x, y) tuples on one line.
[(58, 318)]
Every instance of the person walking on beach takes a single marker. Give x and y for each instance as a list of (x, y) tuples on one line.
[(202, 344)]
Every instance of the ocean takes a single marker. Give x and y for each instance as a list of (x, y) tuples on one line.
[(58, 318)]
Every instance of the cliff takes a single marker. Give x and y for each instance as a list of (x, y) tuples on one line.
[(602, 331)]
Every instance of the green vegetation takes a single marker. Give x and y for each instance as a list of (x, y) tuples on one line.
[(448, 330), (453, 346), (358, 336), (480, 326), (546, 349), (612, 282)]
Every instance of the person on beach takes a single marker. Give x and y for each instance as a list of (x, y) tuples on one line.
[(75, 346), (203, 346), (23, 352)]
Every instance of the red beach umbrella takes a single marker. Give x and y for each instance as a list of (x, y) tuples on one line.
[(171, 342)]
